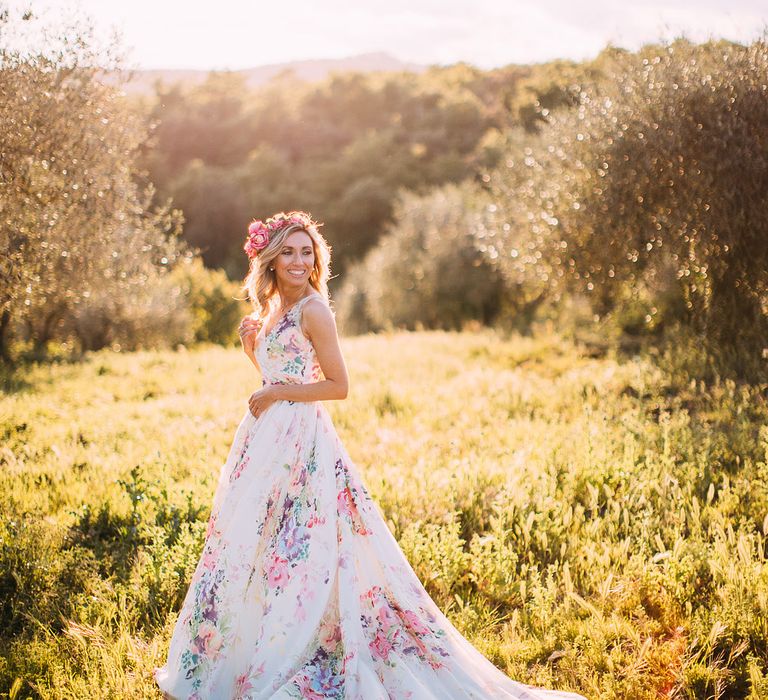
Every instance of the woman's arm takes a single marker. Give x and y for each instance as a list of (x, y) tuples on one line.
[(248, 330), (320, 327), (252, 357)]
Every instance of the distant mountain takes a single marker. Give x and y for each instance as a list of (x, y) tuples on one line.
[(143, 81)]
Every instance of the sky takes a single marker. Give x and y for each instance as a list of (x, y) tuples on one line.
[(235, 34)]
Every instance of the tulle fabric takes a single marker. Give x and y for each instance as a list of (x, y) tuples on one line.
[(301, 590)]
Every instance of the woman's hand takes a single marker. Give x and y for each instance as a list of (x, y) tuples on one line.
[(261, 400), (248, 330)]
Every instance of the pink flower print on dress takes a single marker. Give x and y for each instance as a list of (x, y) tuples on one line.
[(413, 621), (239, 468), (347, 506), (330, 635), (242, 686), (304, 684), (210, 639), (315, 519), (387, 617), (211, 525), (243, 683), (277, 573), (380, 646), (209, 558)]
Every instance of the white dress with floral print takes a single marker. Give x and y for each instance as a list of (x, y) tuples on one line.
[(301, 590)]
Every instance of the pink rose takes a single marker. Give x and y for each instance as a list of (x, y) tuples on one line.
[(258, 238), (210, 639), (330, 635), (386, 617), (380, 646), (414, 622)]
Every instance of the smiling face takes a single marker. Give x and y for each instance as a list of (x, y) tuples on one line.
[(294, 262)]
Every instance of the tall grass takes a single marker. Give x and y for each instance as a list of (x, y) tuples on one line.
[(588, 523)]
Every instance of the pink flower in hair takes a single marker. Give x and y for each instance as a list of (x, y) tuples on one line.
[(259, 232), (258, 238)]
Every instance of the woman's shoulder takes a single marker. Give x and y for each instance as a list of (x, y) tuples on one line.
[(317, 301), (317, 308)]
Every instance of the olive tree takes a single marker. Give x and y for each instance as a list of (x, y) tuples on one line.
[(76, 228), (654, 188)]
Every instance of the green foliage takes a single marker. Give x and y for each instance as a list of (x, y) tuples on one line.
[(648, 196), (81, 244), (341, 148), (590, 525), (212, 300), (425, 271)]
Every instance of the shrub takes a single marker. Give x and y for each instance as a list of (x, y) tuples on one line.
[(425, 271), (212, 300)]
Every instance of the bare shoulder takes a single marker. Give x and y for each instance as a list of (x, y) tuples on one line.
[(318, 318)]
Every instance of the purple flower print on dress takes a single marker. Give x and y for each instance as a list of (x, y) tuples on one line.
[(294, 543), (322, 678), (207, 630), (208, 640), (348, 496), (391, 628)]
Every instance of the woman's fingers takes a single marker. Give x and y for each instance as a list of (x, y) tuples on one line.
[(247, 328)]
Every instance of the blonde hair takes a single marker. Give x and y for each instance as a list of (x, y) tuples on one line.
[(261, 282)]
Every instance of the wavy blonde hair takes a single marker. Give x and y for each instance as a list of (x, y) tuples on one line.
[(261, 282)]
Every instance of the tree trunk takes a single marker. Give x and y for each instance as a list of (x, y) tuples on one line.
[(5, 324)]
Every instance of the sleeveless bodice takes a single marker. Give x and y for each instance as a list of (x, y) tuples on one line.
[(285, 355)]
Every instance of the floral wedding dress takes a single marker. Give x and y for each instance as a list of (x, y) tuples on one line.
[(301, 590)]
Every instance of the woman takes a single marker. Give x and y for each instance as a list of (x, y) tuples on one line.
[(301, 590)]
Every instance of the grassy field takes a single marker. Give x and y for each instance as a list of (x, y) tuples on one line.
[(588, 524)]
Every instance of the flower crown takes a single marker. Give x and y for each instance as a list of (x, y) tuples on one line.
[(260, 232)]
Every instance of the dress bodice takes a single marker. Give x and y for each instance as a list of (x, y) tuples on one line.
[(285, 355)]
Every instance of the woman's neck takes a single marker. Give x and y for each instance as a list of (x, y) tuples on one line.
[(287, 299)]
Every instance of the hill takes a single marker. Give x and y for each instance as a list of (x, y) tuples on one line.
[(312, 70)]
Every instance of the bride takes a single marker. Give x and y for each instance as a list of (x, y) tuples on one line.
[(301, 590)]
